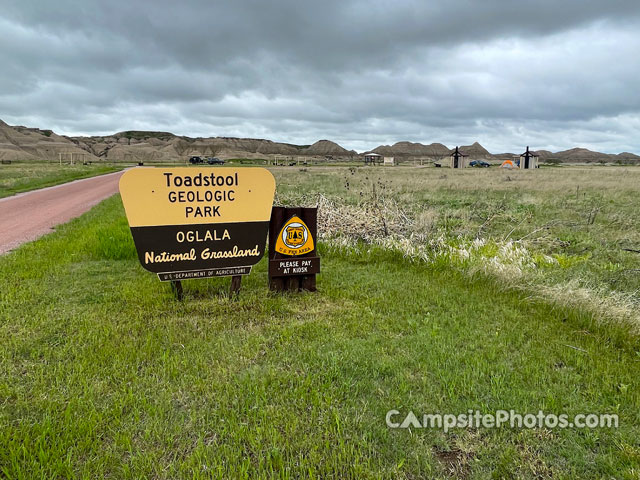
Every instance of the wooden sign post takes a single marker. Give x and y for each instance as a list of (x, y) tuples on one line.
[(192, 223), (293, 261)]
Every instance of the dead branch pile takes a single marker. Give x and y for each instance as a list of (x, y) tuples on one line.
[(366, 221)]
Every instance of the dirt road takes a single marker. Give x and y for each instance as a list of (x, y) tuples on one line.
[(27, 216)]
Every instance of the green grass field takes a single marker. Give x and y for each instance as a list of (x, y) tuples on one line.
[(21, 177), (105, 374)]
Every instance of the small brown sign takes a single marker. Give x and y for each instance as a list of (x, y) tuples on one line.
[(293, 260)]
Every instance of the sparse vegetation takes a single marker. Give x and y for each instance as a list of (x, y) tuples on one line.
[(141, 135)]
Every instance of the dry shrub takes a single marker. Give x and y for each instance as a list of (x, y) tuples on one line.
[(366, 221)]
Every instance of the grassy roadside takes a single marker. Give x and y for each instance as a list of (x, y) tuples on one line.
[(22, 177), (103, 374)]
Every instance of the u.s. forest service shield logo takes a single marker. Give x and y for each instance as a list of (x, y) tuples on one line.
[(294, 238)]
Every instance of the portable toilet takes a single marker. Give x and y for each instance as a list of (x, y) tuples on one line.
[(458, 159), (528, 160)]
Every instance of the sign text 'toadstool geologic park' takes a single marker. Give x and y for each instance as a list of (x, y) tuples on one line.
[(198, 222)]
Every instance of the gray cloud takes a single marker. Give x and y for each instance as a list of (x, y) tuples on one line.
[(546, 73)]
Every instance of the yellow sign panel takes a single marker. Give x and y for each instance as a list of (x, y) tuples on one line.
[(294, 238), (191, 196), (198, 222)]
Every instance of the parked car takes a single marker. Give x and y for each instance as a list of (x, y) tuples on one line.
[(479, 163), (215, 161), (195, 160)]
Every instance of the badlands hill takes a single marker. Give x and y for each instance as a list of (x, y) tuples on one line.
[(476, 151), (326, 147), (163, 146), (582, 155), (408, 149), (23, 143)]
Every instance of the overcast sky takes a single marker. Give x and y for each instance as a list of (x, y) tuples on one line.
[(507, 73)]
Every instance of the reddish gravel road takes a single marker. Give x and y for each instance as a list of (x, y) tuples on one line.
[(27, 216)]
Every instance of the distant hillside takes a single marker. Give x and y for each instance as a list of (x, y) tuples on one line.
[(326, 147), (408, 149), (475, 150), (627, 156), (583, 155), (163, 146), (578, 155), (23, 143), (433, 150)]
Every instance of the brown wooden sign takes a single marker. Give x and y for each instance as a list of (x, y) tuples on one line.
[(293, 261)]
